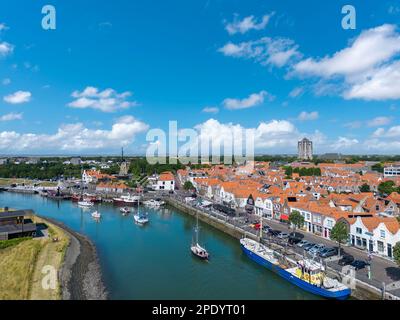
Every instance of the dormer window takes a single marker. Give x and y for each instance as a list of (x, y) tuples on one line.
[(383, 234)]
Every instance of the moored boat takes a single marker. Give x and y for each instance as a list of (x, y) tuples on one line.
[(141, 218), (85, 204), (128, 200), (306, 274), (96, 215), (125, 210), (154, 203), (196, 248)]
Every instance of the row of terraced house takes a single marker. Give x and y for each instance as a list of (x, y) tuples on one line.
[(323, 201)]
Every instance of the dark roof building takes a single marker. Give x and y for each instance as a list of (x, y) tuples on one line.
[(15, 224)]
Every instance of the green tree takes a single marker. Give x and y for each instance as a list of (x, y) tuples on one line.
[(188, 185), (365, 188), (339, 234), (288, 171), (296, 219), (387, 187), (396, 253)]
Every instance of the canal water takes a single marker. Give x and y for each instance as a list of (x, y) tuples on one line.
[(154, 261)]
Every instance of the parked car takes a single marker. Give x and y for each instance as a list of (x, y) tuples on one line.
[(308, 246), (315, 249), (294, 239), (266, 227), (346, 260), (359, 264), (302, 243), (274, 233), (283, 235), (328, 252)]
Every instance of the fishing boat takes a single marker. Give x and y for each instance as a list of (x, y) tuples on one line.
[(85, 204), (128, 200), (196, 248), (96, 215), (306, 274), (125, 210)]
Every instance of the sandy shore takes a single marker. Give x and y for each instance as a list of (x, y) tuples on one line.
[(80, 275)]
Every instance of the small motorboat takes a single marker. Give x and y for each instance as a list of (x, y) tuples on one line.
[(96, 215), (85, 204), (125, 210)]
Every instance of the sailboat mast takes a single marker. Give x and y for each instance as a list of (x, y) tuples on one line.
[(197, 228), (261, 227)]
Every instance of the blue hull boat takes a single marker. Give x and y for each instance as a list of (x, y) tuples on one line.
[(341, 294)]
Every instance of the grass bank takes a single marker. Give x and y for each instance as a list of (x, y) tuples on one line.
[(22, 262)]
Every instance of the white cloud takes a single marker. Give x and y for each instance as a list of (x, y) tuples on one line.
[(344, 143), (379, 121), (253, 100), (380, 84), (11, 116), (393, 132), (247, 24), (107, 100), (75, 137), (3, 27), (369, 49), (296, 92), (267, 51), (211, 110), (18, 97), (6, 49), (272, 136), (308, 116), (6, 81), (366, 65)]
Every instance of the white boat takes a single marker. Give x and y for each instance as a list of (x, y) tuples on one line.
[(96, 215), (125, 210), (154, 203), (141, 218), (196, 248), (85, 204), (127, 200)]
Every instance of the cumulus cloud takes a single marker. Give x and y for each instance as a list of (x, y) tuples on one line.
[(3, 27), (211, 110), (266, 51), (247, 24), (11, 116), (272, 136), (18, 97), (344, 143), (75, 137), (252, 100), (366, 65), (308, 116), (107, 100), (6, 49)]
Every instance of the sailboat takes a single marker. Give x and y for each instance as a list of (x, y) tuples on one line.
[(140, 218), (196, 248)]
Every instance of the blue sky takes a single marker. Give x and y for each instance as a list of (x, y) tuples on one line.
[(112, 70)]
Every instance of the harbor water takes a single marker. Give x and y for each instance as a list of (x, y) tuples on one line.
[(154, 261)]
